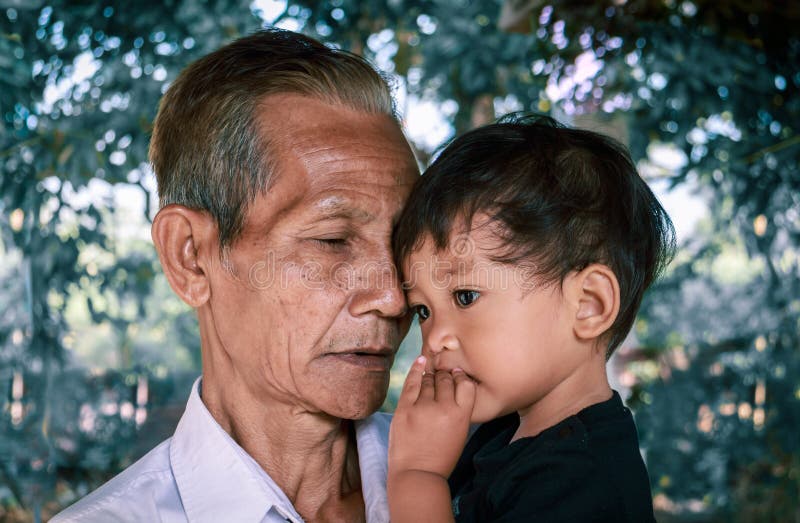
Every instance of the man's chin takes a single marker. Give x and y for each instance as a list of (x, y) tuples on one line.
[(354, 404), (346, 391)]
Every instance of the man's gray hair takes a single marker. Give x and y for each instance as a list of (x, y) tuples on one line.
[(209, 151)]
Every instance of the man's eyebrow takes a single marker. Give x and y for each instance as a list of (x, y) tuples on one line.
[(334, 207)]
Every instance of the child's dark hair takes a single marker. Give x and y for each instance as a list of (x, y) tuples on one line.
[(565, 198)]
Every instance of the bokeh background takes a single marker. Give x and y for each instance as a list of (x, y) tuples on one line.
[(97, 355)]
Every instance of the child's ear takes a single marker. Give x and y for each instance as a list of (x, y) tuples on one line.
[(594, 291)]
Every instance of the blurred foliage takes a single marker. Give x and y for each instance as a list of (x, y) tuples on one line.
[(711, 85)]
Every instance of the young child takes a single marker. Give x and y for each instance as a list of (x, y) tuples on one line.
[(525, 250)]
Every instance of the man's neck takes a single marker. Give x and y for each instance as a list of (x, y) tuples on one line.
[(311, 456)]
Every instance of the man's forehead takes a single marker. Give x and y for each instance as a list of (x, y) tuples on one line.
[(359, 194), (306, 124), (329, 161), (328, 156)]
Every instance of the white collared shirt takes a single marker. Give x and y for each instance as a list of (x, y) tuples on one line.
[(201, 475)]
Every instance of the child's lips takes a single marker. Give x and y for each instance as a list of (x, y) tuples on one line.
[(473, 378)]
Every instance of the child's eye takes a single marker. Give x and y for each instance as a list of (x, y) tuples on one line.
[(465, 298), (423, 312)]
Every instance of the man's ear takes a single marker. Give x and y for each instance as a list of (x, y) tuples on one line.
[(184, 239), (595, 293)]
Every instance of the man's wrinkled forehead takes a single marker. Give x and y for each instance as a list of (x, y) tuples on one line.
[(325, 179), (322, 139), (304, 123)]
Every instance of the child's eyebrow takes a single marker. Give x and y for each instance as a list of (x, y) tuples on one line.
[(452, 266)]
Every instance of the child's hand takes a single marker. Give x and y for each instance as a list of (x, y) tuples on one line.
[(431, 423)]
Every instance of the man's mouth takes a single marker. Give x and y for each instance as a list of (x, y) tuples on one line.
[(379, 359)]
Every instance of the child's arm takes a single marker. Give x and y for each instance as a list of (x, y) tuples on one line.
[(428, 433)]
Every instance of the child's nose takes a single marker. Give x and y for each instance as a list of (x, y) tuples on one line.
[(438, 339)]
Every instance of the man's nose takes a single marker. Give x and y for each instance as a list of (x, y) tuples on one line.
[(378, 290)]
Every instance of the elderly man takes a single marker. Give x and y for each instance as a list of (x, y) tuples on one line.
[(281, 171)]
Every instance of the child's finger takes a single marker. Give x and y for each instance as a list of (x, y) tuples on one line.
[(413, 382), (465, 389), (427, 388), (444, 386)]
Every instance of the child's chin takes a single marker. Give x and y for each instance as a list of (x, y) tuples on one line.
[(481, 417), (483, 412)]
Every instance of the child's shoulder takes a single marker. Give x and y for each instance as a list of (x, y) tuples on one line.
[(586, 465), (600, 441), (610, 432)]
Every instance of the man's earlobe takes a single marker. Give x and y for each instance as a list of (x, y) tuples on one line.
[(596, 292), (182, 236)]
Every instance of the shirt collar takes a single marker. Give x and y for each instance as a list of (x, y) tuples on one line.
[(203, 455), (215, 480), (372, 439)]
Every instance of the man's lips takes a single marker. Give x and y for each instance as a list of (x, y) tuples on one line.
[(370, 359)]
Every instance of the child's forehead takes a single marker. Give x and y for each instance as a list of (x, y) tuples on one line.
[(465, 244), (467, 247), (428, 267)]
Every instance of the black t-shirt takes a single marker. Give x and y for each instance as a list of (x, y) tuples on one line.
[(587, 468)]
